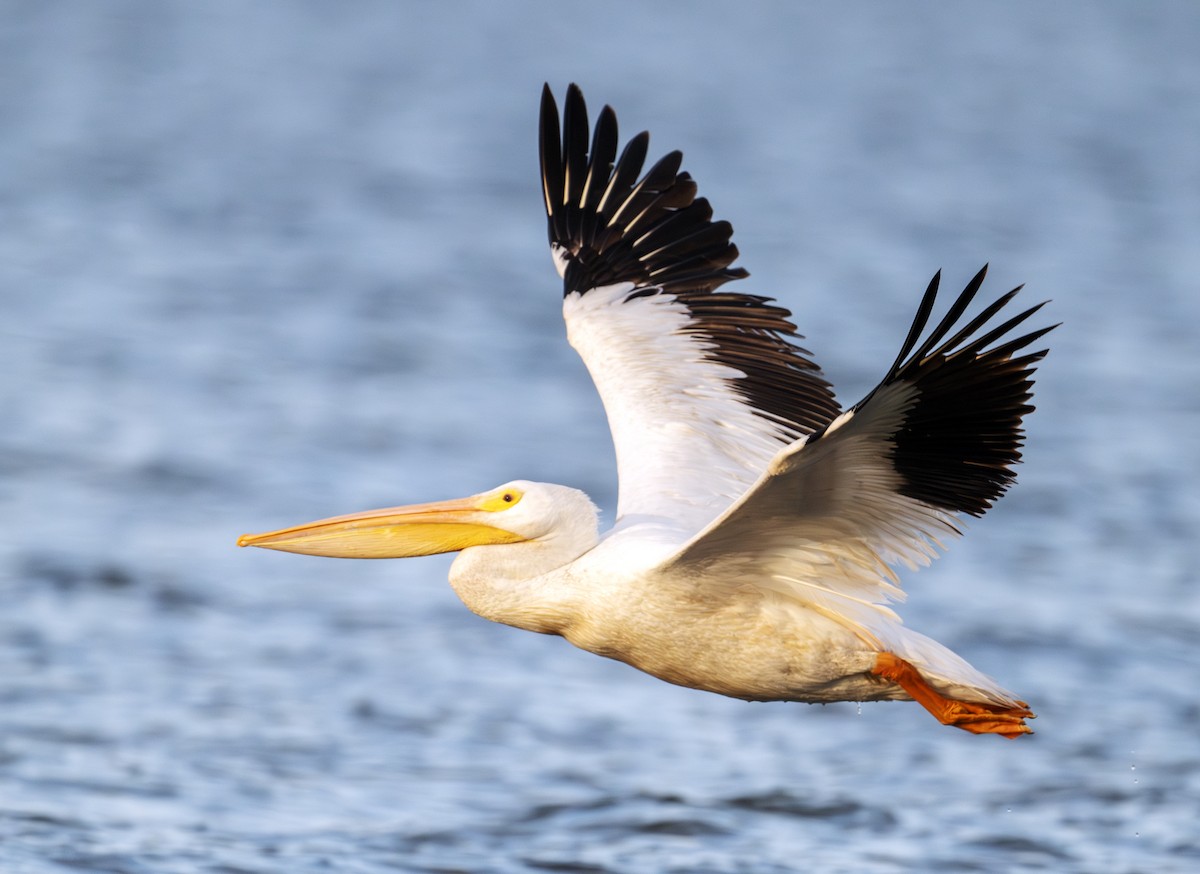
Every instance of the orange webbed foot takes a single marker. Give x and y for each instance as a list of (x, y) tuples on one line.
[(972, 716)]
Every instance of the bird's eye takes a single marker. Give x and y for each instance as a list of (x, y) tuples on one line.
[(502, 500)]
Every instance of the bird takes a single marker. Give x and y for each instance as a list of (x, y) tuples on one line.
[(760, 527)]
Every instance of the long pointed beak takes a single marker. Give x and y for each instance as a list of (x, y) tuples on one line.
[(396, 532)]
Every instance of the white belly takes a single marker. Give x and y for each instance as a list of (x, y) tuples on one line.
[(758, 648)]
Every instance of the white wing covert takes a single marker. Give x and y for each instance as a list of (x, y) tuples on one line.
[(701, 386), (881, 484)]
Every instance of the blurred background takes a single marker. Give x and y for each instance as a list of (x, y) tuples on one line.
[(267, 262)]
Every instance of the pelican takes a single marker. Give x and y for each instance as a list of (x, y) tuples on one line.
[(759, 526)]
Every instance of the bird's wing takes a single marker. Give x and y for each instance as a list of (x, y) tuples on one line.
[(881, 484), (702, 386)]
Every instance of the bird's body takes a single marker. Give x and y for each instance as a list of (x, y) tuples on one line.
[(720, 634), (758, 524)]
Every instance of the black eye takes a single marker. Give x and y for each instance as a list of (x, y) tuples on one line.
[(508, 498)]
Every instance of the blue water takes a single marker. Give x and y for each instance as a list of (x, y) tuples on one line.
[(268, 262)]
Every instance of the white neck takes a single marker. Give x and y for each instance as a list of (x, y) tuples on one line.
[(529, 584)]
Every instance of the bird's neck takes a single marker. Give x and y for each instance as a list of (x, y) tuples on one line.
[(526, 585)]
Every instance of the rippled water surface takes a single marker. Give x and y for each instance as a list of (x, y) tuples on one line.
[(268, 262)]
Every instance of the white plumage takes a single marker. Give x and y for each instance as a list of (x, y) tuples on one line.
[(758, 525), (685, 441)]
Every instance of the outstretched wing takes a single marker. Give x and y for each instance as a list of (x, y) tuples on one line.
[(702, 386), (881, 484)]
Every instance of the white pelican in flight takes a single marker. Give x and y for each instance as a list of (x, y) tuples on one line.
[(758, 524)]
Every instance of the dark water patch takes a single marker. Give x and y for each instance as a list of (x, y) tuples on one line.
[(98, 864), (565, 866), (555, 809), (1090, 751), (1148, 790), (661, 797), (70, 574), (103, 863), (37, 820), (1186, 850), (1011, 639), (1019, 846), (67, 574), (356, 622), (103, 787), (420, 840), (1179, 629), (113, 577), (651, 802), (687, 828), (956, 863), (175, 597), (179, 478), (58, 734), (26, 638), (850, 813), (619, 817), (367, 711), (624, 825)]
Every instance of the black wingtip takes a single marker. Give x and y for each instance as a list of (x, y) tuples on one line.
[(616, 224), (920, 320), (962, 433)]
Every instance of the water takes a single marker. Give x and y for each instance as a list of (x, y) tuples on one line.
[(266, 264)]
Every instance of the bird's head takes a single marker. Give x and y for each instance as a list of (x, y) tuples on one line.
[(517, 512)]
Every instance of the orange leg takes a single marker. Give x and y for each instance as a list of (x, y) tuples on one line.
[(968, 715)]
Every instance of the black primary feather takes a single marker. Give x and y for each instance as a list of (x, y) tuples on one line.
[(962, 433), (612, 225)]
